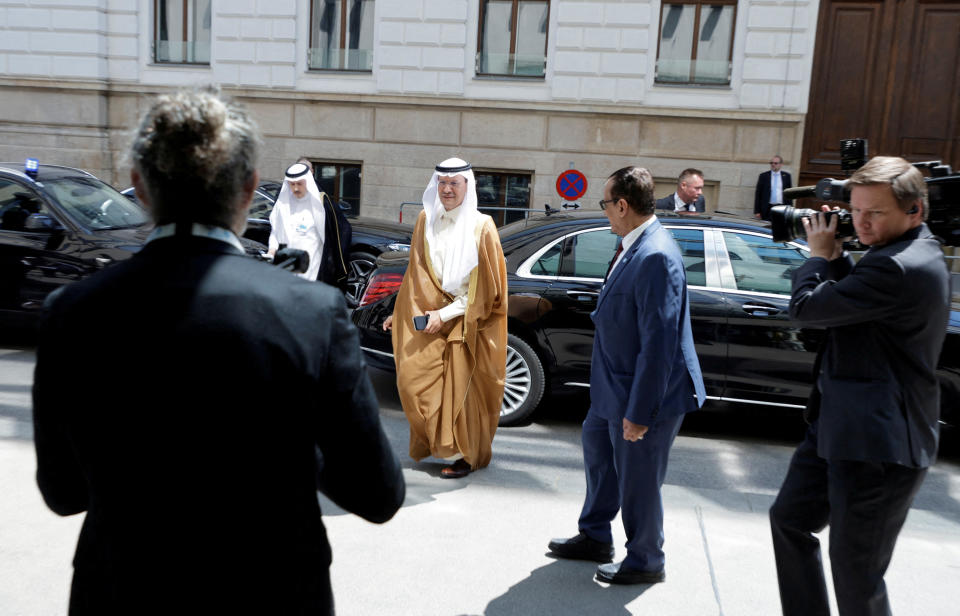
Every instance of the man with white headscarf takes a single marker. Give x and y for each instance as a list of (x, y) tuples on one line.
[(452, 375), (304, 218)]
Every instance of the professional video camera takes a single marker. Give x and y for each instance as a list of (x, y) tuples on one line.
[(943, 188), (291, 259)]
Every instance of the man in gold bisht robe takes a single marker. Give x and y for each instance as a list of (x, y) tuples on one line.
[(450, 374)]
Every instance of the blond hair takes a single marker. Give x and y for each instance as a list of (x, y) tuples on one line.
[(904, 179)]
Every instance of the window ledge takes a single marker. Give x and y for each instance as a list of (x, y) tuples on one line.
[(337, 71), (515, 78), (709, 86)]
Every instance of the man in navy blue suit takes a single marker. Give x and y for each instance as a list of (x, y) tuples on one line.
[(875, 406), (645, 377)]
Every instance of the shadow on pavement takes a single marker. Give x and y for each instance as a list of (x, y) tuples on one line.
[(564, 587)]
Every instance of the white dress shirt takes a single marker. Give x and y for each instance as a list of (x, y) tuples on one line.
[(680, 206), (776, 187), (444, 235)]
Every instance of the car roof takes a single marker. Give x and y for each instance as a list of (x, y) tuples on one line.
[(44, 172), (574, 217)]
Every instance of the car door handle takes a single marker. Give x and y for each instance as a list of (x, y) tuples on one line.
[(584, 296), (760, 310)]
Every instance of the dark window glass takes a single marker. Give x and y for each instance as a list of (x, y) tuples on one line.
[(549, 263), (696, 42), (513, 37), (498, 193), (760, 264), (691, 247), (592, 253), (341, 181), (341, 35), (182, 31)]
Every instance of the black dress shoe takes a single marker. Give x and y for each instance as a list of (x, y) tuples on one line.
[(458, 469), (616, 573), (582, 547)]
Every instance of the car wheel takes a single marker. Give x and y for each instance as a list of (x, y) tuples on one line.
[(358, 271), (524, 382)]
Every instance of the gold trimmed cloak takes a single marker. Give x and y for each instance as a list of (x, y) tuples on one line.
[(451, 383)]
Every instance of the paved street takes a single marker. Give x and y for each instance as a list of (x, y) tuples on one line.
[(478, 545)]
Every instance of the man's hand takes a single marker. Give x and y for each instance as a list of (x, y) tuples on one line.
[(388, 323), (822, 238), (434, 323), (633, 432)]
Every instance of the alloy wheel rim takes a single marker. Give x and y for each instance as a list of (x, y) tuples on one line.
[(360, 270), (516, 386)]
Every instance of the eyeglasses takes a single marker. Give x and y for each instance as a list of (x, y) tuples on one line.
[(776, 162), (604, 202), (453, 184)]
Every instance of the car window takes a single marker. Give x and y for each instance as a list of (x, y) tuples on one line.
[(760, 264), (549, 263), (691, 247), (17, 203), (261, 206), (94, 204), (590, 253)]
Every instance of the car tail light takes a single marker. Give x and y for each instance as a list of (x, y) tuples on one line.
[(381, 286)]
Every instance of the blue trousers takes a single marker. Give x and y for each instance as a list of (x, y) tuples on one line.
[(627, 477), (865, 504)]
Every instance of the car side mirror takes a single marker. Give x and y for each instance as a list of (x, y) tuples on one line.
[(41, 222)]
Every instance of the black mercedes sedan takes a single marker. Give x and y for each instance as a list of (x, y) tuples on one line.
[(57, 225), (739, 280)]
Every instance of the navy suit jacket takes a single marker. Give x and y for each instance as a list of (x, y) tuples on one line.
[(761, 197), (180, 399), (645, 367), (878, 397), (668, 203)]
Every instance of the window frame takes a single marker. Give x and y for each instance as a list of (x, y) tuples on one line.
[(499, 216), (514, 16), (186, 40), (343, 41), (340, 165), (696, 41)]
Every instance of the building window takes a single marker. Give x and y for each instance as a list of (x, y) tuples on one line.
[(513, 37), (341, 182), (182, 31), (341, 35), (696, 42), (498, 193)]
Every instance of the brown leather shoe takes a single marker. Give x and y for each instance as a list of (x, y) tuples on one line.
[(458, 469)]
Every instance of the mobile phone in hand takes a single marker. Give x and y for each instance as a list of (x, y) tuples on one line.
[(420, 322)]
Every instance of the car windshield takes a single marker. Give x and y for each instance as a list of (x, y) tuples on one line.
[(94, 204)]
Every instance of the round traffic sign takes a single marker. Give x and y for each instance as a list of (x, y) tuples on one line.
[(571, 184)]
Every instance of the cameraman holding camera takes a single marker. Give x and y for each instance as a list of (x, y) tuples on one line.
[(875, 406)]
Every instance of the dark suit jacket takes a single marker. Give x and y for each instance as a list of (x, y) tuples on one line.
[(761, 197), (667, 203), (645, 367), (879, 400), (180, 399)]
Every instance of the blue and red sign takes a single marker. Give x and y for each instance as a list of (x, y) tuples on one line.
[(571, 185)]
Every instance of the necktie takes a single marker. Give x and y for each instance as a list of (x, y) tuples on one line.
[(614, 259)]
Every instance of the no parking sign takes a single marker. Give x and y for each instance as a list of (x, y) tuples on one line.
[(571, 185)]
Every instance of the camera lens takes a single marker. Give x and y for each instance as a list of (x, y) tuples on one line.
[(786, 222)]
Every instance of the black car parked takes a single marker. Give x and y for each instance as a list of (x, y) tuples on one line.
[(57, 225), (739, 280)]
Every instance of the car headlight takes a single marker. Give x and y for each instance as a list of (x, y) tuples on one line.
[(399, 247)]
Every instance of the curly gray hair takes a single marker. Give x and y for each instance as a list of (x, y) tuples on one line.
[(195, 151)]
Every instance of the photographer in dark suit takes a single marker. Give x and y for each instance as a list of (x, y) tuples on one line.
[(876, 403), (181, 397), (770, 187)]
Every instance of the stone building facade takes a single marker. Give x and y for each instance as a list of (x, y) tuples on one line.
[(76, 74)]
